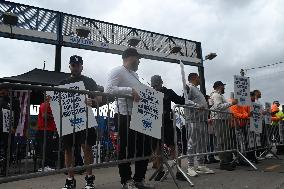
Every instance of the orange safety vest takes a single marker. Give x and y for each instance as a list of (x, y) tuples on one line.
[(241, 114)]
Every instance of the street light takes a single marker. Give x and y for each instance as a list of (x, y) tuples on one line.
[(176, 49), (83, 31), (133, 41), (210, 56), (10, 18)]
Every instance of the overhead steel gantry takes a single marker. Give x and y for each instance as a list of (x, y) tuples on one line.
[(66, 30)]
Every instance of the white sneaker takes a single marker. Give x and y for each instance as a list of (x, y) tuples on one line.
[(269, 156), (203, 170), (39, 170), (129, 185), (47, 168), (191, 171)]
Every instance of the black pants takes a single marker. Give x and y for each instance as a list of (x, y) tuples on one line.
[(143, 147), (77, 155), (4, 149), (226, 140), (210, 146), (182, 140), (50, 154)]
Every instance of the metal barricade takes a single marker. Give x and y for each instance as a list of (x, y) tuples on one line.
[(250, 143), (209, 132), (113, 144), (273, 134)]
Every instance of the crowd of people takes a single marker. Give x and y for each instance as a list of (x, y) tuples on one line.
[(123, 80)]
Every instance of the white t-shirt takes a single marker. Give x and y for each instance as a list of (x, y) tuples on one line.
[(121, 81)]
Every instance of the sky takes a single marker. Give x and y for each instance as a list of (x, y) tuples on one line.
[(244, 34)]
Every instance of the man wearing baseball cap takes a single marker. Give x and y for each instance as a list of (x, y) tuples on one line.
[(123, 80), (219, 103), (76, 68)]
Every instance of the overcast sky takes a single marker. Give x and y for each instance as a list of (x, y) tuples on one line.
[(244, 34)]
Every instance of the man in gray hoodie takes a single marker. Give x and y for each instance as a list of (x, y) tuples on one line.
[(196, 118)]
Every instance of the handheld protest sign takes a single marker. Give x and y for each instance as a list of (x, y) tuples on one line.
[(242, 90), (147, 114), (7, 119), (73, 109), (256, 118)]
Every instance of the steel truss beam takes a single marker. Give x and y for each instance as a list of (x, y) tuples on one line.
[(44, 26)]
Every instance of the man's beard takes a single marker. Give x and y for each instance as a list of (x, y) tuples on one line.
[(134, 67), (76, 74)]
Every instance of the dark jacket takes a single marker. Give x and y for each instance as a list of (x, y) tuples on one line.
[(169, 97)]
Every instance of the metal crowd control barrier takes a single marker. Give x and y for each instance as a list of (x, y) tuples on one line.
[(209, 132), (115, 143), (273, 134)]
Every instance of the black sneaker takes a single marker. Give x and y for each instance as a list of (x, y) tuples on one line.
[(159, 175), (206, 161), (143, 185), (242, 163), (70, 184), (90, 182), (179, 176), (213, 160), (227, 166)]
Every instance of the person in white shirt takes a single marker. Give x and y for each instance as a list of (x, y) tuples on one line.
[(123, 80), (196, 119), (223, 131)]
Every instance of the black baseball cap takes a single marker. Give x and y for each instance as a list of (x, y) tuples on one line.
[(218, 84), (130, 52), (75, 59)]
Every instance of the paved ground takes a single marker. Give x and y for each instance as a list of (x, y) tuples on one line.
[(269, 176)]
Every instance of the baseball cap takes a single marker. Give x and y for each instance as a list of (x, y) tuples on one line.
[(156, 80), (276, 102), (218, 84), (130, 52), (75, 59)]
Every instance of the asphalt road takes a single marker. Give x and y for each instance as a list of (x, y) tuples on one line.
[(270, 175)]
